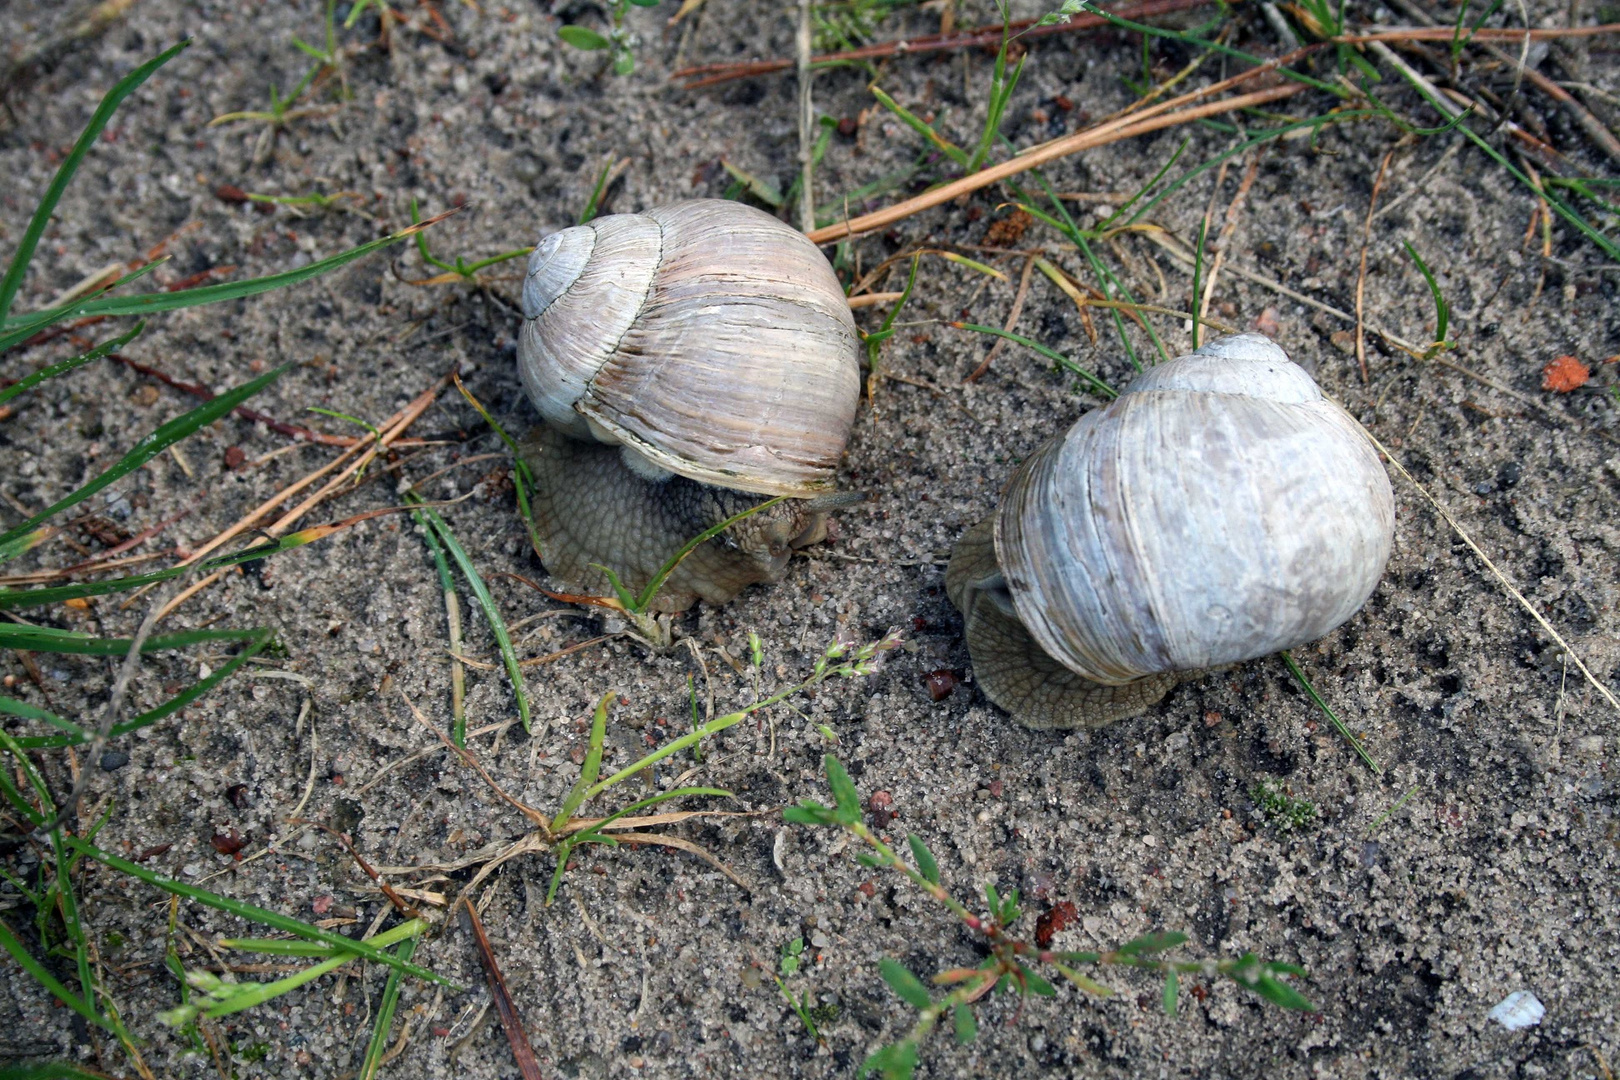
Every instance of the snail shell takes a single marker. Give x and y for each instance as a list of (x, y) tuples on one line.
[(1219, 510), (706, 336), (683, 356)]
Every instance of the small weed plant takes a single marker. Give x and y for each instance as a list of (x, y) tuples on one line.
[(1014, 963)]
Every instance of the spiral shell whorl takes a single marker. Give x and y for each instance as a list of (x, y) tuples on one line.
[(706, 335), (1221, 509)]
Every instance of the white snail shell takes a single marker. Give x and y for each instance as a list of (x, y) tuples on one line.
[(1220, 509), (706, 336), (710, 347)]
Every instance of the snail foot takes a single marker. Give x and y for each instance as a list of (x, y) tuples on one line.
[(1012, 670)]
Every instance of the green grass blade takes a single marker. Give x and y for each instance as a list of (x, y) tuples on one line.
[(1442, 310), (70, 165), (24, 711), (54, 1070), (25, 543), (1355, 743), (153, 445), (492, 613), (254, 913), (385, 1016), (592, 766), (26, 961), (256, 644), (1197, 277), (922, 127), (51, 640), (1265, 136), (15, 599), (675, 560), (596, 192), (147, 303), (1051, 354), (22, 386)]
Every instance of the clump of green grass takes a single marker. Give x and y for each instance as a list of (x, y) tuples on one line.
[(1013, 961), (813, 1015), (55, 949), (618, 41), (1281, 810)]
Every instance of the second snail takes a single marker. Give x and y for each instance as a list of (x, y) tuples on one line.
[(1219, 510), (688, 361)]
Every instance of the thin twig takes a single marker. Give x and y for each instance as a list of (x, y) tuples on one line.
[(1161, 117), (1012, 320), (1361, 277), (510, 1021)]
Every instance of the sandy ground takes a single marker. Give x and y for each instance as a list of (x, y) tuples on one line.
[(1497, 872)]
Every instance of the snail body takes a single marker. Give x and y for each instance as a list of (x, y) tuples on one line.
[(1219, 510), (684, 359)]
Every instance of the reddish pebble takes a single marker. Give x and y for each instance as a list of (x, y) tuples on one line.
[(996, 788), (848, 126), (228, 842), (880, 800), (940, 683), (322, 904), (867, 889), (1058, 917), (1564, 374), (234, 456)]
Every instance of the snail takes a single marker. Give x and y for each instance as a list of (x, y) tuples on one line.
[(686, 360), (1219, 510)]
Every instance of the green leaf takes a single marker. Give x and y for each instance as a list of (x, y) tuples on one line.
[(583, 37), (967, 1028), (1148, 944), (167, 708), (926, 866), (1172, 989), (624, 62), (70, 165), (1090, 986), (1280, 993), (25, 543), (843, 789), (1442, 310), (1035, 984), (897, 1062), (808, 812), (900, 979), (644, 3), (153, 445)]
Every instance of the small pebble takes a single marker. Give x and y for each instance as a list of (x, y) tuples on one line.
[(114, 759), (1517, 1011)]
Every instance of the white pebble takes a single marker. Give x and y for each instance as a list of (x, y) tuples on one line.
[(1519, 1010)]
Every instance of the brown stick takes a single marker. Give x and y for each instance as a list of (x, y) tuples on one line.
[(965, 39), (1361, 277), (510, 1020), (1012, 320), (1445, 33), (1083, 140)]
